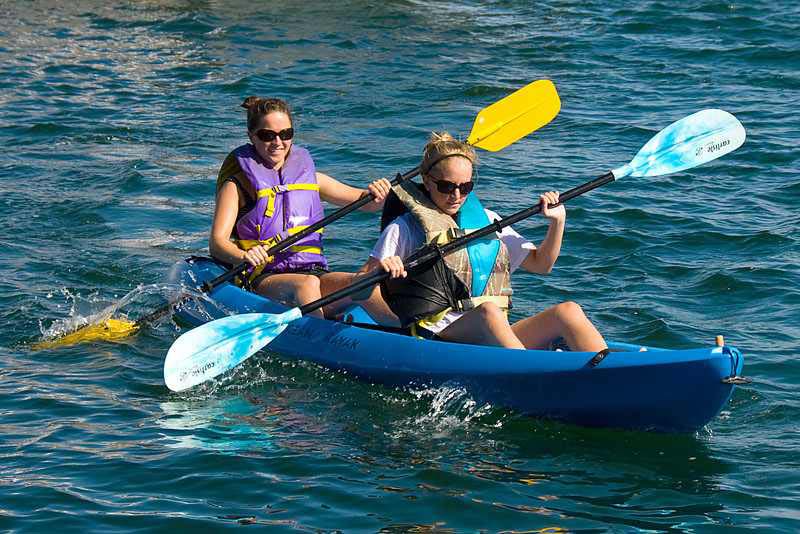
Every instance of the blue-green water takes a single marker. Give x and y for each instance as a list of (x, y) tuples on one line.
[(113, 121)]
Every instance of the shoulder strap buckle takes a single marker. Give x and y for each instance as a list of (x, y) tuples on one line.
[(455, 233)]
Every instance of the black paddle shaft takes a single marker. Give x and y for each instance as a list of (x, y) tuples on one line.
[(291, 240), (429, 252)]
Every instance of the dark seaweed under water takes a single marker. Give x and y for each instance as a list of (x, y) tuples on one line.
[(113, 121)]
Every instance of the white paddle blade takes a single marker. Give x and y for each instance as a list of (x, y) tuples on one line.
[(216, 347), (689, 142)]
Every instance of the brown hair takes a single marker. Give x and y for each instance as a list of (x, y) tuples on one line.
[(258, 107), (442, 145)]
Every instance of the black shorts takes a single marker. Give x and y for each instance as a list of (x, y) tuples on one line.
[(314, 271)]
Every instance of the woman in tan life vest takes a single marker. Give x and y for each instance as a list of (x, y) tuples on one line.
[(477, 315)]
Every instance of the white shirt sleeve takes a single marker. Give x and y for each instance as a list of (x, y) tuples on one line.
[(399, 238)]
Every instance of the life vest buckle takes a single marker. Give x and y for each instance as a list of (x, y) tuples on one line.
[(455, 233)]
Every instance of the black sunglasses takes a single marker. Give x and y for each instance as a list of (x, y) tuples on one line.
[(448, 188), (269, 136)]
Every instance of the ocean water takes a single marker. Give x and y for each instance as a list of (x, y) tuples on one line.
[(113, 122)]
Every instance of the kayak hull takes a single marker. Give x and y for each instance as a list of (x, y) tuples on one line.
[(652, 389)]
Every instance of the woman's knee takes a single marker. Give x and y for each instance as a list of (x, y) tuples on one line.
[(568, 312), (307, 285), (373, 294), (491, 312)]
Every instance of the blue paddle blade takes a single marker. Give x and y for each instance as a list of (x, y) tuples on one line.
[(689, 142), (218, 346)]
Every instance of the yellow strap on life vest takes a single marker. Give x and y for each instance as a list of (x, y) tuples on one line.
[(310, 250), (273, 191), (297, 229), (247, 244), (431, 320), (260, 269), (427, 322), (445, 236)]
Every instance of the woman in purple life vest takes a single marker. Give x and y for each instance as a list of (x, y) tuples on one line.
[(269, 189)]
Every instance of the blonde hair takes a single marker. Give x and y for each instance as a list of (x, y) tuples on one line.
[(442, 145), (258, 107)]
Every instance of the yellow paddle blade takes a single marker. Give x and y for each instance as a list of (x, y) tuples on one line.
[(515, 116), (109, 330)]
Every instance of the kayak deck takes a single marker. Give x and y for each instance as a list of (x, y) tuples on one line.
[(633, 387)]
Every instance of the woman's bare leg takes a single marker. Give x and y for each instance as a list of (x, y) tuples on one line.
[(293, 289), (485, 325), (374, 304), (565, 320)]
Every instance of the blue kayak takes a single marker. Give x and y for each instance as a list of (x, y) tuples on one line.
[(634, 387)]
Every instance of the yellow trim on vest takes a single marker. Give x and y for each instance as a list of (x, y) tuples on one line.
[(427, 322), (297, 229), (260, 268), (440, 238), (230, 169), (310, 250), (273, 191), (451, 234), (247, 244), (302, 187), (412, 330)]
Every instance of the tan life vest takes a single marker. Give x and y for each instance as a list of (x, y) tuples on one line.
[(440, 228)]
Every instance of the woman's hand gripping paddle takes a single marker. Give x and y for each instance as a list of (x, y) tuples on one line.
[(495, 127), (218, 346)]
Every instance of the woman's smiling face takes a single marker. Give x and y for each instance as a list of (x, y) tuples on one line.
[(273, 152)]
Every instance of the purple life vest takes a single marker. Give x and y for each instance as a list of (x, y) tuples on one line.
[(287, 201)]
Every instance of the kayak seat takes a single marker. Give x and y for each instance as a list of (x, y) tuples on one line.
[(356, 314)]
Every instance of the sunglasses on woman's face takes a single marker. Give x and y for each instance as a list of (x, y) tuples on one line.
[(269, 136), (448, 188)]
